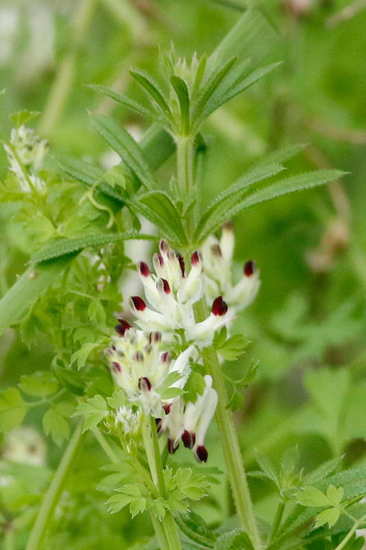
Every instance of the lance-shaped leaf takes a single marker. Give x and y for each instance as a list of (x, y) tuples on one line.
[(181, 90), (235, 192), (153, 91), (126, 147), (158, 207), (89, 174), (63, 247), (270, 192), (122, 99)]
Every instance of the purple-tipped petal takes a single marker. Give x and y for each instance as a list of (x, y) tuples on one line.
[(138, 303), (189, 439), (219, 306), (144, 384), (201, 453), (144, 269), (172, 446), (249, 268)]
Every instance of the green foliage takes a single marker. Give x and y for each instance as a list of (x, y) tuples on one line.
[(12, 409)]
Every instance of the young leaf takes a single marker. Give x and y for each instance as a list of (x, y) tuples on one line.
[(152, 90), (122, 99), (93, 410), (126, 147), (234, 540), (55, 425), (311, 496), (63, 247), (12, 409), (181, 90), (39, 384), (158, 207)]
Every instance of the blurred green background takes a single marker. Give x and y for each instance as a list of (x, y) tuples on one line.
[(308, 323)]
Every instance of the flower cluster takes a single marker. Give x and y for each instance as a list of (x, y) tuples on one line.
[(153, 379), (171, 293), (217, 257), (26, 152)]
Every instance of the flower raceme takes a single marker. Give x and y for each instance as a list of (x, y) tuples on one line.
[(148, 375), (189, 422), (26, 152), (217, 257), (171, 293)]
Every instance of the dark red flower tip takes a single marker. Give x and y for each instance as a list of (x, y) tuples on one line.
[(219, 307), (201, 453), (163, 245), (167, 408), (228, 226), (138, 303), (195, 258), (116, 366), (181, 264), (154, 337), (249, 268), (144, 384), (144, 269), (172, 446), (165, 286), (122, 327), (216, 250), (158, 424), (165, 357), (139, 356), (189, 439)]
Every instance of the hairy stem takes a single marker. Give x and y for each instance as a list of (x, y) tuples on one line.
[(350, 534), (62, 84), (230, 443), (156, 469), (185, 163), (277, 520), (54, 491)]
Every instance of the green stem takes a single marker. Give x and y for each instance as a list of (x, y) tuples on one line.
[(230, 443), (66, 72), (154, 460), (54, 491), (350, 534), (185, 163), (277, 520)]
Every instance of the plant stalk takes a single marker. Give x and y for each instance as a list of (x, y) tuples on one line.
[(230, 443), (277, 520), (54, 491), (156, 469), (185, 164)]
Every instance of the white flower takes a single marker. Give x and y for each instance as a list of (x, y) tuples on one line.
[(217, 258), (189, 422), (171, 293), (145, 372), (129, 419), (26, 152)]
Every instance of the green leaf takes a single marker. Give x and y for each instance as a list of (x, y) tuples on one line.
[(218, 208), (39, 384), (311, 496), (81, 355), (329, 516), (12, 409), (181, 90), (153, 91), (117, 502), (209, 91), (63, 247), (272, 191), (158, 207), (335, 495), (93, 410), (21, 118), (234, 347), (122, 99), (126, 147), (233, 540), (55, 425), (195, 529), (194, 387)]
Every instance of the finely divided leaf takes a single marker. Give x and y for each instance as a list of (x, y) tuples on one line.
[(122, 99)]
